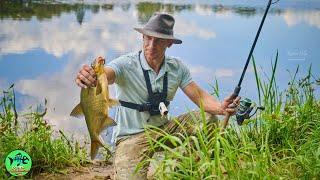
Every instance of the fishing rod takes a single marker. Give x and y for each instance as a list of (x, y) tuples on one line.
[(245, 108)]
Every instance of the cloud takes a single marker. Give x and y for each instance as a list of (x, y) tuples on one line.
[(220, 73), (99, 33), (224, 13), (61, 93), (200, 71), (203, 10), (186, 27), (294, 17), (207, 74), (208, 10), (108, 30)]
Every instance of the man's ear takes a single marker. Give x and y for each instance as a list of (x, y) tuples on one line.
[(170, 43)]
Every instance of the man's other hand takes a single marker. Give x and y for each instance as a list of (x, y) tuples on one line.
[(230, 104)]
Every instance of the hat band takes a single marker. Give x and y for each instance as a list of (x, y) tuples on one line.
[(161, 30)]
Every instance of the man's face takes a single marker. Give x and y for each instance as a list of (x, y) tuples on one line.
[(155, 47)]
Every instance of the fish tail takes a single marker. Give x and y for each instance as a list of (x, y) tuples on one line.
[(94, 149), (95, 145)]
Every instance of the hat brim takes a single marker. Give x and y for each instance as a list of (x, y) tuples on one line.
[(158, 35)]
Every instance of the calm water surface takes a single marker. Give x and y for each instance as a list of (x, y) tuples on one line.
[(42, 45)]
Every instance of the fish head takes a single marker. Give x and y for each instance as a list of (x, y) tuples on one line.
[(98, 64)]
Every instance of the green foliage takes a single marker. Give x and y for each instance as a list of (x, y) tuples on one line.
[(36, 138), (282, 142)]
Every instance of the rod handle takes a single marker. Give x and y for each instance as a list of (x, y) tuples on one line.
[(227, 117)]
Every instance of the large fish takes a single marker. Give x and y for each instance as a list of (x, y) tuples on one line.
[(94, 105)]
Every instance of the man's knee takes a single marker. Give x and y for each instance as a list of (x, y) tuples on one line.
[(129, 154), (212, 119)]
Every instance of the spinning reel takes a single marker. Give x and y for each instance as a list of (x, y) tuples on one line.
[(244, 110)]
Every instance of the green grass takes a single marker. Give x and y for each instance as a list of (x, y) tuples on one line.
[(282, 142), (35, 137)]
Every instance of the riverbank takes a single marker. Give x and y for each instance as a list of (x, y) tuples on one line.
[(280, 142)]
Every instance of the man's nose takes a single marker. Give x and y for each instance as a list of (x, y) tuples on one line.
[(152, 42)]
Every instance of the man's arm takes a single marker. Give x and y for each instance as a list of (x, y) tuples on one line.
[(111, 75), (211, 105)]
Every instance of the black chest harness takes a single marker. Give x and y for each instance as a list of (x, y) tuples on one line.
[(154, 99)]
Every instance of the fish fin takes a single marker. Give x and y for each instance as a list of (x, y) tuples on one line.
[(113, 102), (77, 111), (108, 122)]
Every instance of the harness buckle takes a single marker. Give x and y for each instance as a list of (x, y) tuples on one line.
[(145, 107)]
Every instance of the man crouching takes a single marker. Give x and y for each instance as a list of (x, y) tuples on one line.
[(143, 80)]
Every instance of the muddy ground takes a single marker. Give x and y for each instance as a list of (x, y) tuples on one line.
[(96, 170)]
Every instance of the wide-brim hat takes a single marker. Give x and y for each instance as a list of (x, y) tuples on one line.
[(160, 25)]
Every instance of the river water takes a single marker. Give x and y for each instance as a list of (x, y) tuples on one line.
[(43, 45)]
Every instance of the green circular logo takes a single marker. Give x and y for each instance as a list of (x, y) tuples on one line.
[(18, 163)]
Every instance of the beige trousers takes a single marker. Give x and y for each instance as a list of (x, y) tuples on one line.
[(131, 150)]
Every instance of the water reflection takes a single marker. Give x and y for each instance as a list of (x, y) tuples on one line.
[(21, 10), (100, 31), (146, 9), (18, 10), (310, 17), (42, 45)]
